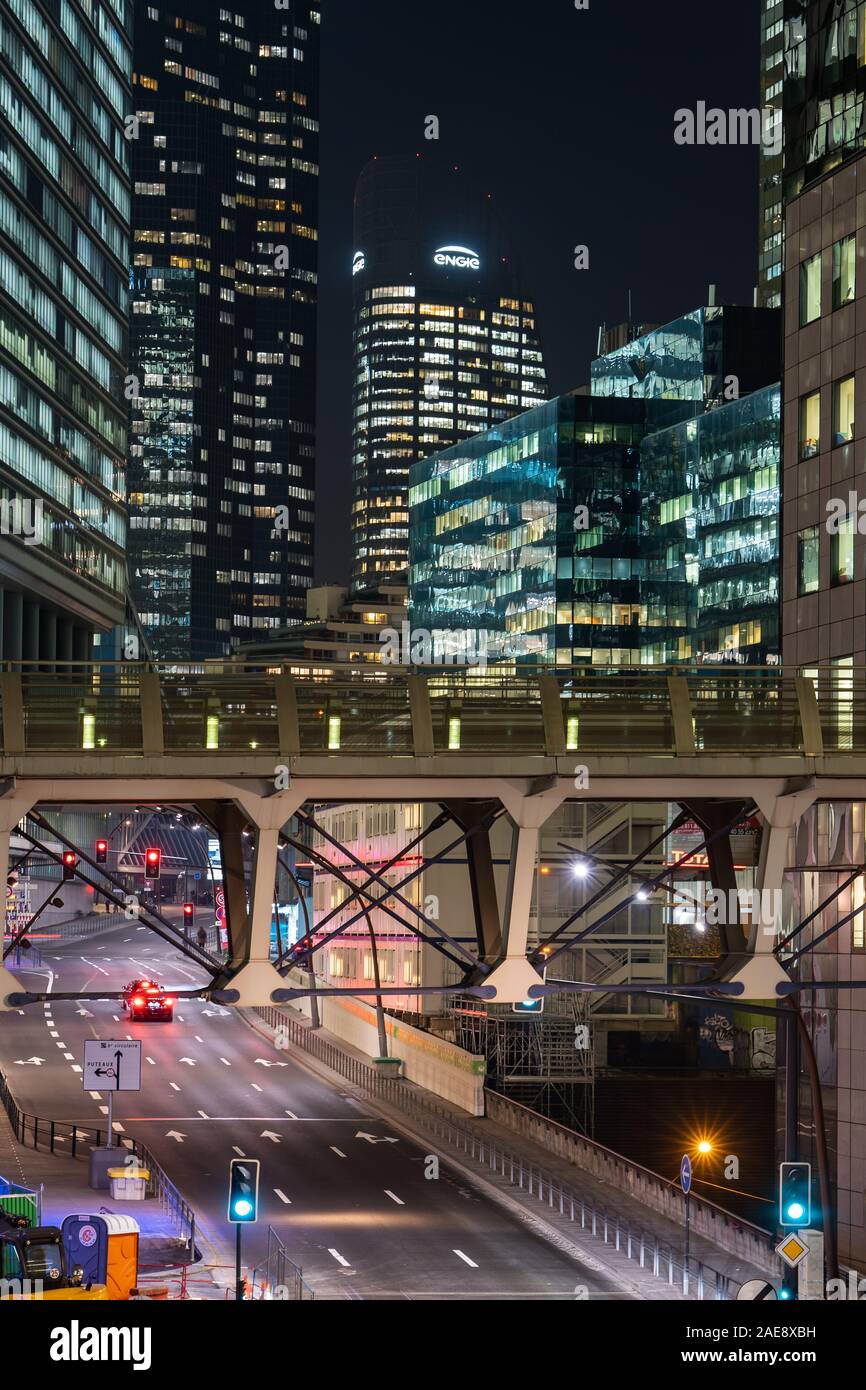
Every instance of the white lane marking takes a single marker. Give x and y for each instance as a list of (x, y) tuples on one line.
[(96, 1095), (240, 1153), (130, 1038), (150, 1061), (339, 1258), (95, 966), (225, 1061), (54, 1035), (282, 1196), (118, 1127), (466, 1259), (291, 1114), (173, 1086), (338, 1152), (77, 1068), (255, 1087), (60, 1045), (203, 1115), (69, 1056), (116, 1018), (394, 1197), (197, 1038), (104, 1109)]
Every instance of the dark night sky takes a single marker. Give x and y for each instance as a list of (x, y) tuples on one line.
[(567, 118)]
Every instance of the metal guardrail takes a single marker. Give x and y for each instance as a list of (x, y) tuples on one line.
[(696, 1279), (111, 708), (280, 1279), (72, 1140)]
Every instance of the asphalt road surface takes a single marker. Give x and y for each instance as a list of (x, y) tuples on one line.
[(346, 1193)]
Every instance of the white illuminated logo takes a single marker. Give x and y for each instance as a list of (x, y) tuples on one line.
[(459, 256), (359, 263)]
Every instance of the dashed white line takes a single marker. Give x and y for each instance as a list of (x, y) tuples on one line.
[(69, 1056), (225, 1061), (282, 1196), (61, 1045), (96, 1095), (339, 1258), (255, 1087), (240, 1153), (291, 1114), (104, 1109), (394, 1197), (466, 1259), (174, 1086), (77, 1068), (338, 1152), (203, 1115), (53, 1035), (150, 1061)]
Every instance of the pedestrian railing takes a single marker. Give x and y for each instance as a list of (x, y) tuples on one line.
[(693, 1279), (73, 1140)]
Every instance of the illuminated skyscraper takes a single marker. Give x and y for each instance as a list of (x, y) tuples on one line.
[(223, 321), (64, 248), (446, 342)]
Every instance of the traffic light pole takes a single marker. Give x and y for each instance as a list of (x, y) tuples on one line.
[(239, 1288)]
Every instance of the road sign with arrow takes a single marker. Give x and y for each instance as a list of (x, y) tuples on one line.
[(111, 1065)]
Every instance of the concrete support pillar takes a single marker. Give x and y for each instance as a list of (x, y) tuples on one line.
[(30, 643), (513, 976), (48, 637), (250, 970), (13, 625), (82, 642), (64, 640), (482, 878)]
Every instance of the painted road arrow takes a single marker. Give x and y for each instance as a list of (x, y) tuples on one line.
[(30, 1062), (269, 1134), (214, 1013), (173, 1134), (374, 1139), (260, 1062), (85, 1013), (189, 1061)]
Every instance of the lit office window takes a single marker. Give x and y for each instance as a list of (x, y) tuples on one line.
[(810, 425), (844, 264), (810, 290), (808, 560), (843, 411), (842, 552)]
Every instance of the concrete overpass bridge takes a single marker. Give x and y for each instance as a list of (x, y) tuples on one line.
[(253, 749)]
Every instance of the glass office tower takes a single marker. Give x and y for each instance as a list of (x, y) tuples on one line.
[(582, 534), (64, 229), (709, 356), (445, 340), (223, 332)]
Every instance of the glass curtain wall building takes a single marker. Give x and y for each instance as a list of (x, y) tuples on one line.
[(813, 71), (64, 248), (710, 356), (581, 533), (445, 340), (223, 339)]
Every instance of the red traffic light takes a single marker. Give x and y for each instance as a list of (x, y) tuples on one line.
[(101, 851), (189, 910), (152, 861), (70, 862)]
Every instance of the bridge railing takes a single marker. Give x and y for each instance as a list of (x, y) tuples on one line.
[(134, 709)]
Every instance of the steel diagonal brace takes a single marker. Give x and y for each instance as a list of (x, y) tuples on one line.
[(539, 955), (441, 819), (650, 885), (837, 892), (393, 891), (336, 872), (159, 925)]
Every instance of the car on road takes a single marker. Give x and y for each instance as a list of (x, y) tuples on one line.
[(145, 999)]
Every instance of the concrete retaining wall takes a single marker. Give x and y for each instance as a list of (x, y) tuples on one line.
[(448, 1071), (738, 1237)]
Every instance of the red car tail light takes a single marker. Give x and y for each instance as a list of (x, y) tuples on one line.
[(138, 1001)]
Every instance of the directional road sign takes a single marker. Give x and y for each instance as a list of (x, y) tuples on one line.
[(686, 1174), (111, 1066)]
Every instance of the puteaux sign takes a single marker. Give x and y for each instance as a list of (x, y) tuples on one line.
[(458, 256)]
